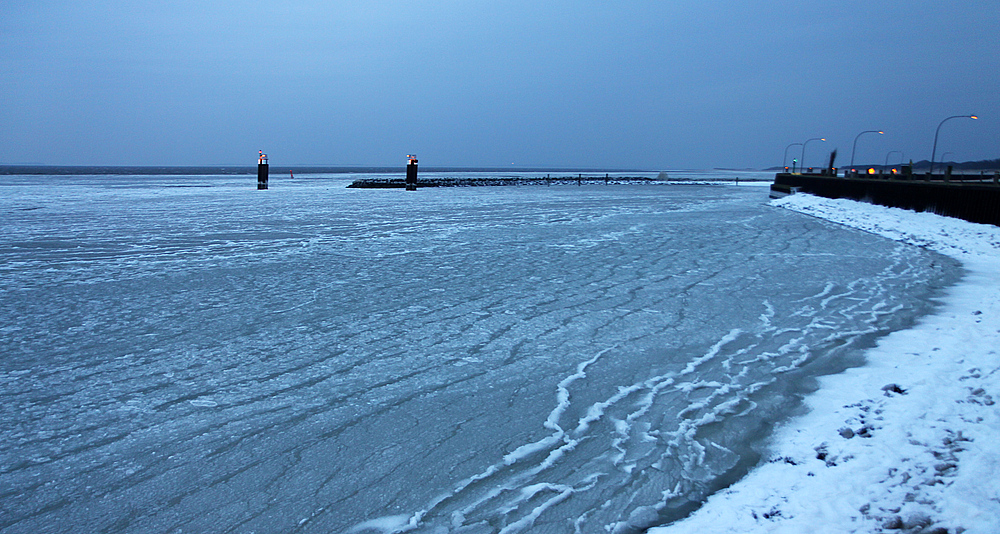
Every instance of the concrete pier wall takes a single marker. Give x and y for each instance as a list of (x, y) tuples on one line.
[(975, 201)]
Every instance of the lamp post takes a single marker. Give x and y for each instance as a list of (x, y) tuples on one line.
[(802, 156), (784, 159), (880, 132), (936, 132), (901, 157)]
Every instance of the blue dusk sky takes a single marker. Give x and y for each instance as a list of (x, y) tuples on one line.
[(649, 85)]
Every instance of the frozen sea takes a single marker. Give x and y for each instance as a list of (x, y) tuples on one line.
[(188, 354)]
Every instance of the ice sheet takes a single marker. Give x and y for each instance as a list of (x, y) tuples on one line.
[(202, 356)]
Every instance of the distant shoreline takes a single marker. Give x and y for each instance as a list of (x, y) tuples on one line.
[(70, 170)]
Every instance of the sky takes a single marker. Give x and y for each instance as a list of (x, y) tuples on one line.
[(651, 85)]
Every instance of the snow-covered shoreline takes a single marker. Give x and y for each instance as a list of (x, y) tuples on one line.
[(910, 442)]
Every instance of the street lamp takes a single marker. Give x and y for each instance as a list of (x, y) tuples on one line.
[(784, 159), (880, 132), (901, 157), (934, 150), (802, 156)]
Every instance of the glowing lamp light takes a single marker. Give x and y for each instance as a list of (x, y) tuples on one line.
[(871, 170), (973, 117)]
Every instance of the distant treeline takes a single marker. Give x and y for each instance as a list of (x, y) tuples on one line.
[(982, 165), (923, 165)]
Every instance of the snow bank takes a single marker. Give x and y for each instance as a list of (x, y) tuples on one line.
[(911, 441)]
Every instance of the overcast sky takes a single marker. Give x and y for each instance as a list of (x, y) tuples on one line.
[(639, 84)]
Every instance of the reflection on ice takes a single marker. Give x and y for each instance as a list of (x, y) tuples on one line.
[(317, 359)]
